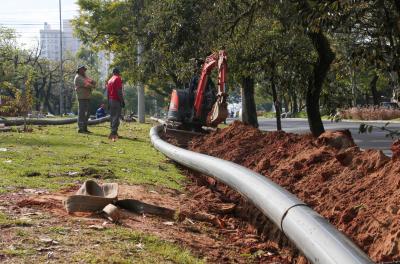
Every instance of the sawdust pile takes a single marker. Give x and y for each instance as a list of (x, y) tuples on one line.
[(358, 192)]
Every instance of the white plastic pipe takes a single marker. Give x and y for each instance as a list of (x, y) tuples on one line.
[(314, 236)]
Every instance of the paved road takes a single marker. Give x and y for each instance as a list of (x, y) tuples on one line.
[(374, 140)]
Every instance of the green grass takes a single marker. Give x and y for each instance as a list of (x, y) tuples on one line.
[(57, 156), (17, 252), (269, 115), (112, 245), (133, 245), (6, 221), (54, 157), (301, 114)]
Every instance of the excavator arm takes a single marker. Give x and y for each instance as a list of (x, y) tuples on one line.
[(219, 110)]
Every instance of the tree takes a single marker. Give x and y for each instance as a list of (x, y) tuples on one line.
[(313, 51), (16, 76)]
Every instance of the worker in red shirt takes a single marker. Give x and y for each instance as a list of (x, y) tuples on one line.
[(115, 101)]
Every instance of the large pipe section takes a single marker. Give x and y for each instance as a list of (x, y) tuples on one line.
[(314, 236), (39, 121)]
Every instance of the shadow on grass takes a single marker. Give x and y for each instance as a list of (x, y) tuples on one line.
[(39, 142), (134, 139)]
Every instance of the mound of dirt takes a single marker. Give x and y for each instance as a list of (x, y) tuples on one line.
[(357, 191)]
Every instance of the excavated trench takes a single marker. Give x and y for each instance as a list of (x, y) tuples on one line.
[(255, 233), (357, 191)]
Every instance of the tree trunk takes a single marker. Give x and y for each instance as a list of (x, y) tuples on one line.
[(249, 112), (276, 104), (353, 88), (37, 96), (374, 91), (295, 104), (395, 85), (321, 68), (286, 102), (47, 97), (397, 4), (293, 96)]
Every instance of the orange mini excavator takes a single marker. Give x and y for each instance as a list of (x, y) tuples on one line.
[(201, 105)]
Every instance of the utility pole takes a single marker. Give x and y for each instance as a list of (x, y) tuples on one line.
[(61, 65), (140, 88)]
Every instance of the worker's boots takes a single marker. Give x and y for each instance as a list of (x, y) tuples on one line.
[(113, 137)]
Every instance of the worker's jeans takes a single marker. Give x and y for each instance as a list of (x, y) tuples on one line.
[(83, 114), (115, 113)]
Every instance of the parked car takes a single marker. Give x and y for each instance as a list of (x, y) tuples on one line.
[(389, 105)]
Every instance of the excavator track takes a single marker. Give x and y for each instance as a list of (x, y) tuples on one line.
[(178, 128)]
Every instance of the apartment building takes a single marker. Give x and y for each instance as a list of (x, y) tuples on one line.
[(50, 41)]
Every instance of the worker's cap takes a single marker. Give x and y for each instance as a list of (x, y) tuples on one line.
[(116, 71), (81, 67)]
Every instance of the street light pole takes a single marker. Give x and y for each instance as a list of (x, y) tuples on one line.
[(141, 98), (61, 65)]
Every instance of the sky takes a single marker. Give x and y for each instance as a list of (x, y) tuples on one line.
[(28, 16)]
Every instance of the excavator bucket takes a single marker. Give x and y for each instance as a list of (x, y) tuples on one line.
[(219, 111)]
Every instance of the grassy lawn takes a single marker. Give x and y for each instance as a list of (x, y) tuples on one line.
[(301, 114), (55, 157), (43, 241)]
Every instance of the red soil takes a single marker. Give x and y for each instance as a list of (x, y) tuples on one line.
[(208, 226), (357, 191)]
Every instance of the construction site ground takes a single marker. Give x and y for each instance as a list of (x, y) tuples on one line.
[(42, 167), (357, 191)]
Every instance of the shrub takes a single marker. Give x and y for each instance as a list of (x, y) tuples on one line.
[(370, 113)]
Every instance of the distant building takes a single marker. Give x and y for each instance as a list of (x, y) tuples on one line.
[(50, 41), (70, 43), (50, 46)]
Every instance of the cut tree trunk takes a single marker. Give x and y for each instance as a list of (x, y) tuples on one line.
[(249, 112), (320, 69)]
